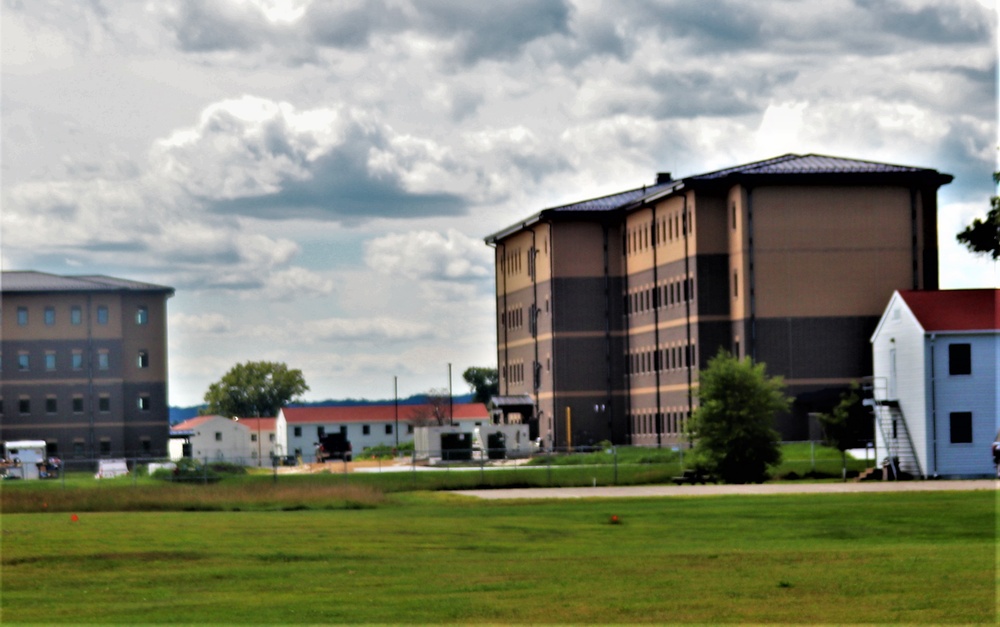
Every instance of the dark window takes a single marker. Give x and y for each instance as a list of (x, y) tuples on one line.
[(50, 405), (366, 430), (105, 447), (142, 360), (146, 445), (959, 359), (961, 427), (297, 432), (320, 431), (409, 429), (77, 404), (78, 449), (24, 405), (218, 436), (143, 402), (104, 403), (142, 315), (102, 315), (388, 429)]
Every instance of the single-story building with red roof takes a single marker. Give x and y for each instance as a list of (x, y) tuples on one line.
[(936, 365), (298, 429)]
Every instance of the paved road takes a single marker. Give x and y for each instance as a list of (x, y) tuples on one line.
[(712, 490)]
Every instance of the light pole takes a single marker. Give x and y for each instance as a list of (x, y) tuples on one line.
[(451, 413), (395, 404)]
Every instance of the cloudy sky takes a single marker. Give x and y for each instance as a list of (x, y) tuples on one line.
[(316, 178)]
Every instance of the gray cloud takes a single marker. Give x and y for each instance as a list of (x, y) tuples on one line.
[(340, 187), (212, 25), (493, 30), (943, 22)]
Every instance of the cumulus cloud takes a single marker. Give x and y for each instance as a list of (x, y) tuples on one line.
[(450, 256), (207, 323), (253, 156)]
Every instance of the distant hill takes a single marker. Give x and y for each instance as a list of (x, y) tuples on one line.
[(180, 414)]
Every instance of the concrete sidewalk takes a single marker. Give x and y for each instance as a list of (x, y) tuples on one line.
[(716, 490)]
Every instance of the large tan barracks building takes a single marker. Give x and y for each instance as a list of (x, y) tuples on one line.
[(607, 308), (84, 364)]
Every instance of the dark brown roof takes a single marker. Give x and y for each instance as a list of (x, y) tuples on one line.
[(32, 281)]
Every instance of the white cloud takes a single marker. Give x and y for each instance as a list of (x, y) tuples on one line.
[(449, 256), (207, 323)]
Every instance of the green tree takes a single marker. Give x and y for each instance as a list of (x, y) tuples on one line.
[(982, 237), (485, 382), (733, 427), (254, 389), (843, 426)]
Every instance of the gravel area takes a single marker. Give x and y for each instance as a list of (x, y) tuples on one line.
[(715, 490)]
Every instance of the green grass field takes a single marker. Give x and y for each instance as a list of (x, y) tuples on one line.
[(427, 558)]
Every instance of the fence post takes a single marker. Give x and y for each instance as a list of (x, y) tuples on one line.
[(614, 452)]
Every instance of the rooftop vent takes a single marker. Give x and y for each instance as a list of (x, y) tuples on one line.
[(663, 177)]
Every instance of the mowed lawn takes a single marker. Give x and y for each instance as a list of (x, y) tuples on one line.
[(438, 558)]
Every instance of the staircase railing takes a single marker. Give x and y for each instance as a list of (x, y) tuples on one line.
[(887, 411)]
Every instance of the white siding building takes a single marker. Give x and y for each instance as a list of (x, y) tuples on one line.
[(212, 439), (936, 365), (299, 429)]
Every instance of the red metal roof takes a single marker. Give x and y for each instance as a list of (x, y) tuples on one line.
[(376, 413), (263, 424), (191, 423), (955, 310)]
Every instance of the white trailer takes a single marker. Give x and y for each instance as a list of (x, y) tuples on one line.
[(24, 459)]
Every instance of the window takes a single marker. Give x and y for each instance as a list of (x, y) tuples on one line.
[(218, 436), (320, 431), (270, 437), (75, 315), (23, 362), (253, 437), (959, 359), (22, 316), (102, 314), (78, 448), (142, 315), (77, 359), (24, 405), (77, 404), (961, 427), (142, 402), (104, 403), (51, 406), (736, 284), (388, 429), (50, 316), (105, 446), (366, 430), (103, 359), (409, 429), (297, 432), (142, 360), (50, 360), (146, 446)]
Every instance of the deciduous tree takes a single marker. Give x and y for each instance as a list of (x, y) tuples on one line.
[(254, 389), (733, 427), (982, 237), (485, 382)]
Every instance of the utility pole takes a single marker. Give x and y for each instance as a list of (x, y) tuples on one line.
[(395, 403), (451, 412)]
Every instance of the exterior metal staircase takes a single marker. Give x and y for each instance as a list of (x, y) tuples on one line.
[(890, 424)]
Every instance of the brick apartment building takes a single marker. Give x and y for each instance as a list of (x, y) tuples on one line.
[(607, 308), (84, 364)]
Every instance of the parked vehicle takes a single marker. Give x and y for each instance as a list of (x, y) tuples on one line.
[(334, 446)]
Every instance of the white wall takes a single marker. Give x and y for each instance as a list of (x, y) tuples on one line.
[(221, 439), (899, 331)]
